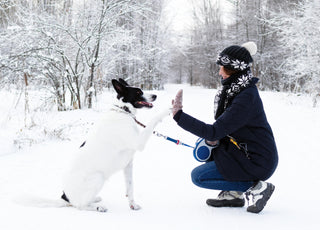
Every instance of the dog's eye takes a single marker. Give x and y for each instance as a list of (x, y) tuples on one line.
[(139, 93)]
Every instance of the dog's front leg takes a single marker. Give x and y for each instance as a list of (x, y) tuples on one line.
[(129, 187), (147, 132)]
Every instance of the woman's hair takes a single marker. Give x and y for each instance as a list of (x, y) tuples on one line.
[(229, 71)]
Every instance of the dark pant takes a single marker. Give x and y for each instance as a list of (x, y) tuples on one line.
[(208, 176)]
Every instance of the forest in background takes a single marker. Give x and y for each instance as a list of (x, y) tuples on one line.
[(72, 48)]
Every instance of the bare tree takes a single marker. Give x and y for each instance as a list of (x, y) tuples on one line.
[(67, 46), (7, 10), (146, 59), (206, 40), (299, 65)]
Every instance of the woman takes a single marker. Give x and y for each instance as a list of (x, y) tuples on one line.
[(246, 155)]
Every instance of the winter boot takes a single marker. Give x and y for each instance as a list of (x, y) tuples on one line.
[(261, 193), (227, 199)]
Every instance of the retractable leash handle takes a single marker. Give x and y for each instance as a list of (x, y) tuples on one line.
[(201, 152)]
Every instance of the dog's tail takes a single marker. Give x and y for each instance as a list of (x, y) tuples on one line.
[(31, 200)]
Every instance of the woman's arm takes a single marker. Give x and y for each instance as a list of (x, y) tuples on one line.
[(233, 118)]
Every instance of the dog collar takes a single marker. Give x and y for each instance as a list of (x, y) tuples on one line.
[(125, 109)]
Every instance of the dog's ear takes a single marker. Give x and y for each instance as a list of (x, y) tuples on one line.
[(123, 82), (119, 87)]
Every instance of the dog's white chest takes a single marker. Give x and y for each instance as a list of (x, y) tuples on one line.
[(110, 145)]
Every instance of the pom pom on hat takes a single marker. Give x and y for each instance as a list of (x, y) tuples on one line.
[(251, 47)]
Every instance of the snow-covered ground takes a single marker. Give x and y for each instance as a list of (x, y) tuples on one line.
[(163, 187)]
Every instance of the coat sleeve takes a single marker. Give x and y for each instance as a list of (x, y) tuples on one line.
[(233, 118)]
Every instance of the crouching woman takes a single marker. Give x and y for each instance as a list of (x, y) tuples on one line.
[(246, 154)]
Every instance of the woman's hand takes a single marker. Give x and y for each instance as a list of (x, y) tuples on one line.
[(177, 102), (212, 143)]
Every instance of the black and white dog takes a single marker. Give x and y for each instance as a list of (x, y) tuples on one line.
[(110, 147)]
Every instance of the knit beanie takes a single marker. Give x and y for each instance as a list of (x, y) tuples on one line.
[(237, 57)]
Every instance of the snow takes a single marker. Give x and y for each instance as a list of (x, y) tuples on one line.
[(163, 187)]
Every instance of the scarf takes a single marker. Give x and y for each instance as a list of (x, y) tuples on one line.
[(231, 87)]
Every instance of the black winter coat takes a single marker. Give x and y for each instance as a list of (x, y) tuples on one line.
[(245, 120)]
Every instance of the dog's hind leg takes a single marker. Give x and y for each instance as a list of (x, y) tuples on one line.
[(84, 195), (129, 187), (97, 199), (90, 207)]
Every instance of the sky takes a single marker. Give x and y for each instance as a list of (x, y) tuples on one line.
[(179, 13)]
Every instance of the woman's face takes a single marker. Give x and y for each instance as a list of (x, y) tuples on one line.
[(223, 73)]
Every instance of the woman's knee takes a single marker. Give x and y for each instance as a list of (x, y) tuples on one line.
[(199, 174), (205, 172), (195, 177)]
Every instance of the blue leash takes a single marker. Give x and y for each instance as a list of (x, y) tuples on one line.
[(177, 142)]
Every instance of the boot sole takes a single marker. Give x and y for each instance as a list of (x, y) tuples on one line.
[(236, 203)]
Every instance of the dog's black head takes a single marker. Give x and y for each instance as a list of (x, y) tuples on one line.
[(132, 95)]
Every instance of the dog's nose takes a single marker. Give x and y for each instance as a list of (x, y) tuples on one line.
[(154, 97)]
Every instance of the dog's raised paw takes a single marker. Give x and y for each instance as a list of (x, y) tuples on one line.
[(167, 111), (162, 114)]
